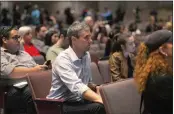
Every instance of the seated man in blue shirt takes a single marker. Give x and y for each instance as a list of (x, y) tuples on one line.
[(71, 74)]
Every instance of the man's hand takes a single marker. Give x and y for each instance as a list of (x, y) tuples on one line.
[(40, 67), (99, 100), (92, 86), (97, 90), (92, 96)]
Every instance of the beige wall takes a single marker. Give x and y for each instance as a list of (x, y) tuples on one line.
[(145, 6)]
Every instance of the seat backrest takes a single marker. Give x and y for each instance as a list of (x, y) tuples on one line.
[(40, 83), (102, 46), (96, 77), (121, 97), (39, 59), (94, 47), (94, 56), (104, 70), (100, 53)]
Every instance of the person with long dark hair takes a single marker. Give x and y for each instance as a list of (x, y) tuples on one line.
[(57, 43), (121, 59)]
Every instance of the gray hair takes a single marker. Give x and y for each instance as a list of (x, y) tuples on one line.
[(88, 18), (75, 29), (24, 30)]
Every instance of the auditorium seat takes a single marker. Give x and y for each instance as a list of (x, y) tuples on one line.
[(96, 77), (40, 84), (94, 47), (121, 97), (102, 46), (2, 95), (104, 70), (39, 59), (94, 56), (5, 83)]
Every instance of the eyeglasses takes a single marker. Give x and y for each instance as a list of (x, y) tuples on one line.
[(16, 38)]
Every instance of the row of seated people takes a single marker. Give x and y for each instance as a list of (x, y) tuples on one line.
[(70, 73), (39, 50), (72, 89), (54, 44), (118, 60), (16, 47)]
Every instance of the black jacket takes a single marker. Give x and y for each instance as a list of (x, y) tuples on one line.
[(158, 95)]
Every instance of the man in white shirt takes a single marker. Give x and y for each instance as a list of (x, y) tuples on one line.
[(71, 74)]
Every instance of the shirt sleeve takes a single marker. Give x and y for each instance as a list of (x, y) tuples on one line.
[(64, 69), (6, 67), (115, 64)]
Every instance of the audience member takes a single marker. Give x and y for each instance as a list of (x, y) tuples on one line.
[(51, 37), (38, 41), (16, 16), (14, 60), (35, 14), (89, 21), (154, 73), (71, 74), (121, 60), (59, 45), (152, 26), (25, 33), (69, 16), (169, 26)]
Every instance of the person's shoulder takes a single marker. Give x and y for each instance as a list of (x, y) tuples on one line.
[(23, 53), (35, 40), (56, 48), (117, 54), (162, 79), (50, 49), (63, 56)]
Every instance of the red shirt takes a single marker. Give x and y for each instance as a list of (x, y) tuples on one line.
[(31, 49)]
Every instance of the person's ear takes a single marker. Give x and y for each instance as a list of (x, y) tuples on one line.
[(162, 51), (4, 40), (74, 38)]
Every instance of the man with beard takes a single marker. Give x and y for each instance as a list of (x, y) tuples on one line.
[(38, 41)]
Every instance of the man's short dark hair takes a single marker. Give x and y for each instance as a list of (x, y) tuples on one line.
[(75, 29), (5, 32), (37, 29)]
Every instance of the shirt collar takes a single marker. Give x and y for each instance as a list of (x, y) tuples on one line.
[(73, 55), (6, 51)]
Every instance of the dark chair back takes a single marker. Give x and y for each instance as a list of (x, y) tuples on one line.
[(96, 77), (121, 97), (104, 70)]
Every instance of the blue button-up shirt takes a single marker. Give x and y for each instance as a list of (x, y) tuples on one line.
[(70, 76)]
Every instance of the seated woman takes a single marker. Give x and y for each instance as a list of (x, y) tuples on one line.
[(26, 44), (51, 37), (26, 33), (121, 60), (58, 45), (154, 73)]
